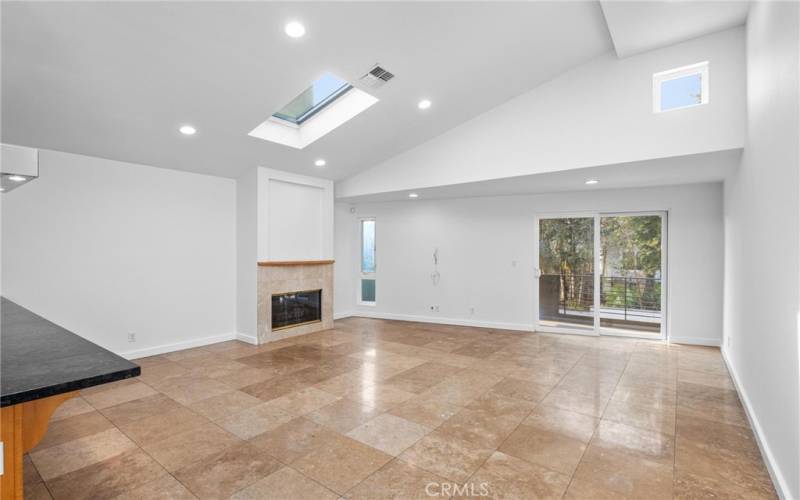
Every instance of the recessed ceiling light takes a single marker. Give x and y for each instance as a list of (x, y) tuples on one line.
[(592, 181), (424, 104), (320, 163), (17, 178), (295, 29), (187, 130), (413, 195)]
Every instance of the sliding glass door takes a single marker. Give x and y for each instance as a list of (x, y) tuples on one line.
[(602, 274), (566, 273)]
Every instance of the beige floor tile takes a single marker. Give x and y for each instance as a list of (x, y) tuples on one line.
[(119, 395), (421, 377), (507, 477), (184, 448), (159, 374), (254, 420), (108, 478), (70, 408), (228, 403), (652, 419), (159, 427), (380, 396), (446, 456), (344, 415), (548, 449), (569, 423), (425, 412), (284, 484), (579, 402), (521, 389), (397, 481), (222, 474), (72, 428), (341, 465), (608, 474), (303, 401), (164, 488), (73, 455), (187, 390), (500, 406), (647, 445), (294, 439), (690, 486), (126, 413), (479, 427), (244, 377), (37, 491), (389, 433)]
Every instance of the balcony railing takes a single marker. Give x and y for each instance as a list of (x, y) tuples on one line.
[(623, 300)]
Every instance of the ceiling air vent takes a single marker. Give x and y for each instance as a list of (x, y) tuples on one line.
[(376, 78)]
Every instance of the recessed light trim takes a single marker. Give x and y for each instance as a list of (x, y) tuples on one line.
[(413, 195), (424, 104), (591, 182), (294, 29), (17, 178), (187, 130), (320, 162)]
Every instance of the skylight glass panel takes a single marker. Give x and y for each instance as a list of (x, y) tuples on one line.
[(680, 88), (313, 99)]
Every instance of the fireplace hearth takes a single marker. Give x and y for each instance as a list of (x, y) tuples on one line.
[(296, 308)]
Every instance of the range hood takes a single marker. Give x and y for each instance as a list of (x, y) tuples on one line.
[(18, 165)]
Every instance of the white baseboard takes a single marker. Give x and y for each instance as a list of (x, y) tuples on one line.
[(709, 342), (342, 315), (781, 487), (178, 346), (445, 321), (250, 339)]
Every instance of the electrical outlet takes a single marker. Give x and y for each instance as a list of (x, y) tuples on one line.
[(472, 310), (435, 308), (131, 337)]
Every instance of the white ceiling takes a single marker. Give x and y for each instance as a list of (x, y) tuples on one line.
[(690, 169), (116, 79), (646, 25)]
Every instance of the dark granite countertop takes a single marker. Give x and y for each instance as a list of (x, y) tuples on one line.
[(39, 358)]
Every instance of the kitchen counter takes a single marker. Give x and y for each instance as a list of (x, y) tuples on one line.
[(41, 366)]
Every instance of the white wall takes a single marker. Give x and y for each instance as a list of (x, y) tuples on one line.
[(762, 243), (479, 239), (104, 248), (288, 228), (599, 113), (247, 255)]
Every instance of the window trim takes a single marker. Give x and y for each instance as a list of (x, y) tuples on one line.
[(361, 274), (659, 78)]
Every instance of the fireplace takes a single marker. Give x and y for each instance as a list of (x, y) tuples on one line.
[(296, 308)]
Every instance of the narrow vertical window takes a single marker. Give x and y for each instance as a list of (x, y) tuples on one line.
[(367, 289)]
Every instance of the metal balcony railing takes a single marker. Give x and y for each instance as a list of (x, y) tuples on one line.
[(621, 298)]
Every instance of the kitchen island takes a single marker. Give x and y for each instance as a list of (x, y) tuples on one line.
[(41, 366)]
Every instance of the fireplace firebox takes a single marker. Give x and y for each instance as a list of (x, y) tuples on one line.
[(296, 308)]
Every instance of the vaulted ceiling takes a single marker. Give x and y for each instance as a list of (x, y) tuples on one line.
[(117, 79)]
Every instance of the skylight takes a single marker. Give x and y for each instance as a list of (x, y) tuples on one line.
[(313, 99), (680, 88)]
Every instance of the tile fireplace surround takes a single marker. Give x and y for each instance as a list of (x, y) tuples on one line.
[(293, 276)]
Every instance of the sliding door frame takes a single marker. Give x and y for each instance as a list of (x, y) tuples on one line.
[(597, 330)]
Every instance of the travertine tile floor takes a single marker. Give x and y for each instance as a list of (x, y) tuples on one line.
[(382, 409)]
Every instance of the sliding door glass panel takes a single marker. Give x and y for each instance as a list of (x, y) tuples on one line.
[(630, 273), (566, 273)]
